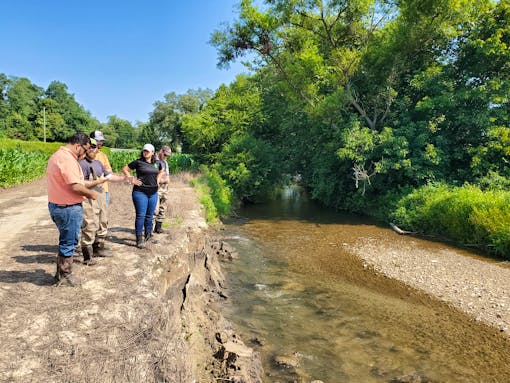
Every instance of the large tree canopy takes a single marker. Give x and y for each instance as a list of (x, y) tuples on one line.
[(393, 93)]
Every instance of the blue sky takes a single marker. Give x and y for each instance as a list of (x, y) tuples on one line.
[(116, 57)]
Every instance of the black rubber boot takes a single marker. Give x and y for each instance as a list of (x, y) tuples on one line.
[(99, 250), (140, 242), (157, 227), (88, 256)]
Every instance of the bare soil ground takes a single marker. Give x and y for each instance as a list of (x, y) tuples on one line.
[(144, 315)]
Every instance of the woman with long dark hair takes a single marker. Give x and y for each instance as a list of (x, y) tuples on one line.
[(145, 191)]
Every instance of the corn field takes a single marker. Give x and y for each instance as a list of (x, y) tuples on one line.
[(17, 166), (24, 161)]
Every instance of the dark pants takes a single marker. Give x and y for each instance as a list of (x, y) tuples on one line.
[(68, 220), (145, 204)]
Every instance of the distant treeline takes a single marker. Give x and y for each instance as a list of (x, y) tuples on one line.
[(30, 112)]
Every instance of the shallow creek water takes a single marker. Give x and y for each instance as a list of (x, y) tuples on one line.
[(315, 313)]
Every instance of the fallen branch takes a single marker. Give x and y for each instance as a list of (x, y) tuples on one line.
[(399, 230)]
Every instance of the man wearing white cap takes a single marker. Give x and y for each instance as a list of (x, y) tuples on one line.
[(94, 211), (103, 158), (98, 246)]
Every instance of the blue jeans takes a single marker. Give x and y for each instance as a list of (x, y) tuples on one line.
[(68, 220), (145, 204)]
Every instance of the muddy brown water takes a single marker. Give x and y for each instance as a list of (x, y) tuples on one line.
[(315, 313)]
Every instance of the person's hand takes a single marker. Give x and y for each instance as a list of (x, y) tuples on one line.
[(101, 179), (134, 181), (92, 195)]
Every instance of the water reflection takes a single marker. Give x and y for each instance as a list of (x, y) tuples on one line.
[(315, 313)]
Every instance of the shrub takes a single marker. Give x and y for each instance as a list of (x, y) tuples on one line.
[(215, 195), (465, 214)]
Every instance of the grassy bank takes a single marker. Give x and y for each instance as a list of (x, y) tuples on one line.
[(466, 215), (215, 196)]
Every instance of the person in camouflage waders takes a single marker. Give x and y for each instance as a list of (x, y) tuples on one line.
[(163, 154), (95, 218)]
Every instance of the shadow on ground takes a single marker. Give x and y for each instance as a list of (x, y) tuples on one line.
[(38, 277)]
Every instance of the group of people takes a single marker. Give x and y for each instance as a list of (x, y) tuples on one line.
[(77, 179)]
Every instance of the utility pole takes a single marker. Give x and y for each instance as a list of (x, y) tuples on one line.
[(44, 122)]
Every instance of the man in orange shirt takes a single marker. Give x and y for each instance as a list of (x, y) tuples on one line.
[(66, 191)]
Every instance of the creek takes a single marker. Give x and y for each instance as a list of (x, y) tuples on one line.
[(314, 312)]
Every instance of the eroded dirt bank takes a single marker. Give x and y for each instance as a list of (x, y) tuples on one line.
[(149, 315)]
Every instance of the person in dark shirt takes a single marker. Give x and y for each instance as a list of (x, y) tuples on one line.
[(95, 219), (145, 191)]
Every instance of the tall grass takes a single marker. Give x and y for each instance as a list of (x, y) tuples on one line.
[(466, 215), (215, 196)]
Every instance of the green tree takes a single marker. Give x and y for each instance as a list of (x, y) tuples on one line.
[(120, 133), (74, 115), (22, 101), (232, 110), (165, 122), (4, 83)]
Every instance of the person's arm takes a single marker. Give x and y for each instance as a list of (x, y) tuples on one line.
[(126, 170), (98, 181), (165, 178), (110, 176), (116, 178), (84, 191), (160, 176)]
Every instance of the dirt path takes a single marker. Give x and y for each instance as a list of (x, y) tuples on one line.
[(147, 315), (20, 207)]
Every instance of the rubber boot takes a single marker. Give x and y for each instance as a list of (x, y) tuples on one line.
[(88, 256), (99, 250), (140, 243), (64, 274), (148, 237), (157, 227)]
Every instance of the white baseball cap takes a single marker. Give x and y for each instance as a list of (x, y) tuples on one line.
[(149, 147), (98, 135)]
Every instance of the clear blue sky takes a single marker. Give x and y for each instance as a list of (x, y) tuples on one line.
[(116, 56)]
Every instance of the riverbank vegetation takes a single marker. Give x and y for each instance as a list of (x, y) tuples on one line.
[(465, 214), (371, 103), (390, 109)]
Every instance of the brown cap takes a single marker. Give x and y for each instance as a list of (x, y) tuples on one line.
[(166, 150)]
